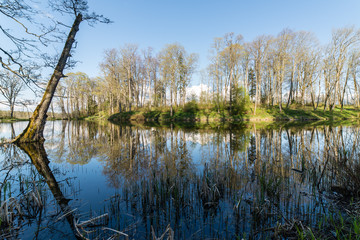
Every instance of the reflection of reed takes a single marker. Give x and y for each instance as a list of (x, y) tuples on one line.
[(267, 176), (218, 184)]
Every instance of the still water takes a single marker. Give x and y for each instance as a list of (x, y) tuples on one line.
[(140, 182)]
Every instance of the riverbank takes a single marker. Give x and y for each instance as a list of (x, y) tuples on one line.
[(24, 116), (262, 115)]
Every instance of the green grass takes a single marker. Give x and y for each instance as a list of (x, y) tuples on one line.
[(24, 116), (334, 225), (11, 120), (271, 114), (307, 113), (98, 116)]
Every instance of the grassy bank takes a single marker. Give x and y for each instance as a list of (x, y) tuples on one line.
[(262, 114), (24, 116), (18, 116)]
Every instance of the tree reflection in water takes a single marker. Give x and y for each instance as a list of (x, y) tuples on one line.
[(201, 183), (38, 156)]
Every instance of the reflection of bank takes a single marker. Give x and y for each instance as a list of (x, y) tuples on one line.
[(38, 156)]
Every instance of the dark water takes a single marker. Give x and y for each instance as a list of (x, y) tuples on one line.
[(241, 182)]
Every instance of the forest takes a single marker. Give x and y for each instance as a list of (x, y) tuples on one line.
[(283, 71), (290, 70)]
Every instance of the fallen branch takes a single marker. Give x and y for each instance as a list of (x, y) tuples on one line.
[(67, 213), (116, 231), (93, 220)]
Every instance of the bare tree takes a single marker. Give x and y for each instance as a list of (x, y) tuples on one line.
[(129, 64), (112, 84), (259, 51), (151, 71), (78, 9), (21, 46), (230, 58), (10, 87), (305, 62), (354, 64), (215, 73), (176, 68), (343, 42), (61, 94)]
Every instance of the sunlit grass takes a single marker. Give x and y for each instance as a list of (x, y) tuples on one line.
[(204, 113)]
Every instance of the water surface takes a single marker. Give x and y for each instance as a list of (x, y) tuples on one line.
[(189, 183)]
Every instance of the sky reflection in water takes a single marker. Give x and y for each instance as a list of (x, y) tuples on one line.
[(202, 183)]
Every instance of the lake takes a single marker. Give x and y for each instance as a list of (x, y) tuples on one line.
[(105, 181)]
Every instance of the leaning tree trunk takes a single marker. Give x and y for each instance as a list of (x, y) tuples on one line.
[(34, 131)]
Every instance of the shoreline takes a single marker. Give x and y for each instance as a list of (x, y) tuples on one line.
[(119, 119)]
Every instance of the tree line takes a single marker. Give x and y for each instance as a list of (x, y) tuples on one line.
[(274, 71), (131, 79), (290, 68)]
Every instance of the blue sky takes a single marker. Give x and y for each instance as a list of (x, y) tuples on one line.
[(195, 24)]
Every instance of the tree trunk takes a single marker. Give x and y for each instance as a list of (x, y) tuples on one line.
[(357, 98), (280, 99), (342, 96), (52, 111), (258, 86), (12, 109), (149, 86), (291, 85), (119, 104), (129, 93), (62, 106), (34, 131), (171, 103)]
